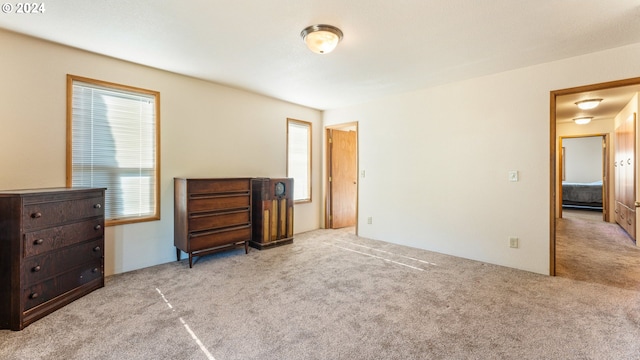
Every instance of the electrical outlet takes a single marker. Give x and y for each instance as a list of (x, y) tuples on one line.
[(513, 242), (369, 220)]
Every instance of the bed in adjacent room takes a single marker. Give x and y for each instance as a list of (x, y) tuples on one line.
[(582, 195)]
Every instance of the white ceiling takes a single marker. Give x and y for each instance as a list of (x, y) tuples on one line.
[(388, 47)]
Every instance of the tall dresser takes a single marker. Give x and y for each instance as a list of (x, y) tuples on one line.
[(51, 251), (211, 214)]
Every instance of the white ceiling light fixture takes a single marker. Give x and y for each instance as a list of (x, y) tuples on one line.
[(321, 38), (588, 104), (583, 120)]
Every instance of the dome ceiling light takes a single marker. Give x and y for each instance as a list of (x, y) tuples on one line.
[(588, 104), (321, 38), (583, 120)]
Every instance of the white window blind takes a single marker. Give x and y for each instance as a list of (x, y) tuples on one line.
[(113, 145), (299, 158)]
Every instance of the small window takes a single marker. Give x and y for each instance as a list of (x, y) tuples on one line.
[(113, 142), (299, 158)]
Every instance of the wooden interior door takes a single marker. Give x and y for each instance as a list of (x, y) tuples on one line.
[(343, 177)]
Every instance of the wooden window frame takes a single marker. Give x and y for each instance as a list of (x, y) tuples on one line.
[(69, 144)]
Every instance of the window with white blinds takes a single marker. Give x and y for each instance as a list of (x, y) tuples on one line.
[(114, 143), (299, 158)]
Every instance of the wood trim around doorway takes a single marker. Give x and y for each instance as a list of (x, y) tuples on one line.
[(553, 141), (606, 173), (327, 200)]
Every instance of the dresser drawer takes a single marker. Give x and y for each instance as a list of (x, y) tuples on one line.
[(41, 292), (217, 220), (212, 203), (38, 215), (210, 239), (205, 186), (210, 215), (39, 242), (39, 268), (47, 256)]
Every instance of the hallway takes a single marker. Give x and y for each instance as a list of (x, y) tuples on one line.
[(590, 250)]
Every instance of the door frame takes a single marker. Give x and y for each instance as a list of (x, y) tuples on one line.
[(604, 164), (553, 143), (327, 193)]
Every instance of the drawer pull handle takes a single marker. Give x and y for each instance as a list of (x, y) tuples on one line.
[(36, 268), (33, 296), (94, 270), (36, 215), (38, 242), (97, 206), (97, 227), (97, 248)]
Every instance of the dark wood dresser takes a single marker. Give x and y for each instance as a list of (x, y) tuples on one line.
[(211, 215), (51, 251), (272, 212)]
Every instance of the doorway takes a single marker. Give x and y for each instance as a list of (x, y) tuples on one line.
[(584, 175), (563, 107), (341, 202)]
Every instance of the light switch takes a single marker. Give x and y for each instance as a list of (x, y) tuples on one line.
[(362, 174), (513, 175)]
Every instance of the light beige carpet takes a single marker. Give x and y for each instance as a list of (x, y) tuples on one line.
[(589, 249), (332, 295), (582, 214)]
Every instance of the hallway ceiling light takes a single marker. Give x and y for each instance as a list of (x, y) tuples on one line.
[(588, 104), (583, 120), (321, 38)]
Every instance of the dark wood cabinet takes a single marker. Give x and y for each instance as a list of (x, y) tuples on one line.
[(211, 214), (51, 251), (272, 212)]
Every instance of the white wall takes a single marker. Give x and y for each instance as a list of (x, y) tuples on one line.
[(583, 159), (437, 160), (207, 130)]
